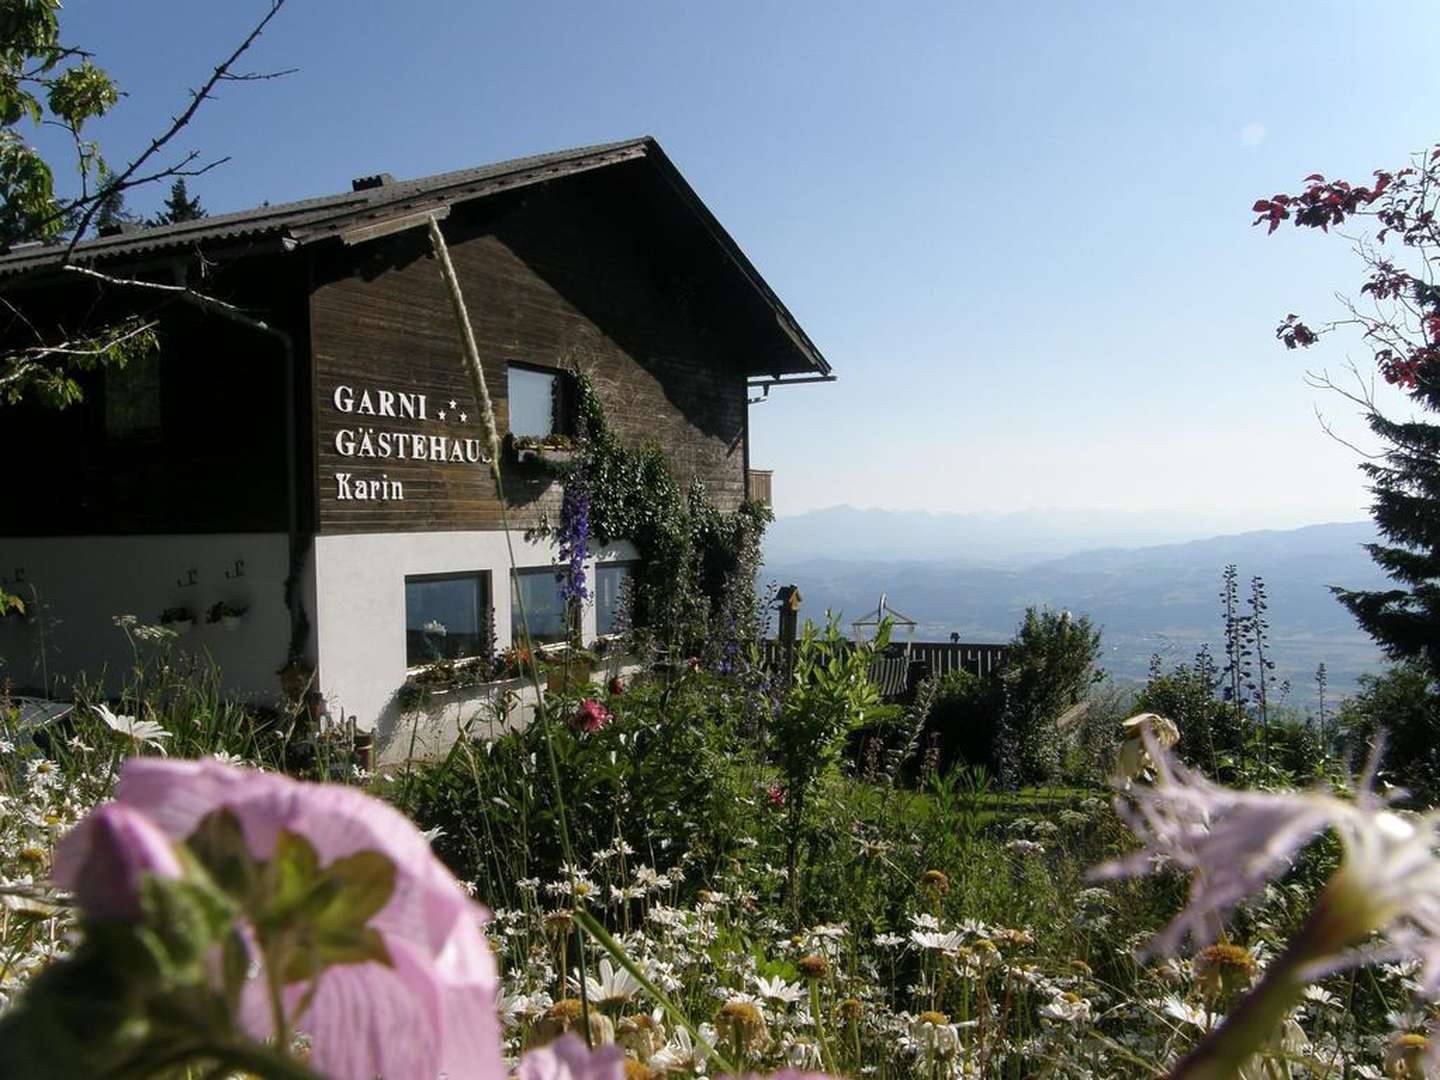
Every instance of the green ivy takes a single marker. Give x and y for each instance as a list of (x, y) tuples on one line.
[(697, 564)]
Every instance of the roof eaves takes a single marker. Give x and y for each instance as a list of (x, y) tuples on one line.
[(788, 324), (461, 186), (323, 216)]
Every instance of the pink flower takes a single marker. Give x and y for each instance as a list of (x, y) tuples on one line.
[(591, 716), (567, 1059), (433, 1009), (1236, 841), (776, 794), (105, 858)]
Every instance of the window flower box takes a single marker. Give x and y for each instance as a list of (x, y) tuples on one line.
[(555, 454), (179, 619), (568, 671), (224, 615)]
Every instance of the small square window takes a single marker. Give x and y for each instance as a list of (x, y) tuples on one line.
[(447, 617), (539, 402), (132, 400), (545, 609), (611, 596)]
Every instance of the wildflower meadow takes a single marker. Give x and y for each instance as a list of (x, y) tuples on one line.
[(539, 793), (208, 891)]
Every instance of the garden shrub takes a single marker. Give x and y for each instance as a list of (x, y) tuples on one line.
[(965, 719), (1404, 702), (663, 774), (1210, 731), (1049, 670)]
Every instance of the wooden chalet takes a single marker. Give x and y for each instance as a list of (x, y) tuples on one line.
[(303, 465)]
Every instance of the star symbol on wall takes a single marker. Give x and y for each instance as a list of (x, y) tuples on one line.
[(452, 403), (442, 414), (463, 418)]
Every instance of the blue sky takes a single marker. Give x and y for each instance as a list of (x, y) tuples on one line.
[(1020, 233)]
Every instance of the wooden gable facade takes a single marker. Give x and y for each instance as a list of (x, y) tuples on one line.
[(613, 269), (573, 277), (304, 445)]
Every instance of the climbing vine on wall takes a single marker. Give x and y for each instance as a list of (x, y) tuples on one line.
[(694, 590)]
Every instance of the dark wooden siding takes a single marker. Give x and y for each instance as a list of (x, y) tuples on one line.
[(577, 274), (216, 460)]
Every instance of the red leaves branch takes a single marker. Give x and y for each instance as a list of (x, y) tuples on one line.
[(1322, 204), (1404, 202)]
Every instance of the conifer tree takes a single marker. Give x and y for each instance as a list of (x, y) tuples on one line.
[(113, 211), (179, 206), (1400, 323)]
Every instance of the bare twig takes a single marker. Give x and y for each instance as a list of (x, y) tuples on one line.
[(181, 292), (66, 349), (1329, 430), (121, 179), (257, 76), (22, 364)]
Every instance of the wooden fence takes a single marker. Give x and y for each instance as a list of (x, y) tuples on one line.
[(897, 671), (943, 657)]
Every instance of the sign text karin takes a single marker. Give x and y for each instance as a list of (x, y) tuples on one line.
[(383, 442)]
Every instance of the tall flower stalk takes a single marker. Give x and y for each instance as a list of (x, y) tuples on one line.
[(574, 540), (486, 419)]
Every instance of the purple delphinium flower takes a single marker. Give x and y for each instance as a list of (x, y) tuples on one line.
[(574, 539), (105, 858)]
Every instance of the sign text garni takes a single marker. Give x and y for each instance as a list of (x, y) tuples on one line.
[(383, 442)]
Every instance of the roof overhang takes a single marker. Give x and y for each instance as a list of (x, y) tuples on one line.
[(383, 210)]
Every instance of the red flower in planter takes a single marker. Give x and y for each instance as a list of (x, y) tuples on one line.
[(591, 716)]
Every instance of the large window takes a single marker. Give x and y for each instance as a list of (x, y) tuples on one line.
[(447, 617), (544, 608), (539, 405), (611, 595)]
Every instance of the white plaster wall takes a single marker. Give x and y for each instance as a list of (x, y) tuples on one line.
[(82, 582), (360, 619)]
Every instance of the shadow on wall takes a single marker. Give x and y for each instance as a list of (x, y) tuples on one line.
[(428, 730), (77, 586)]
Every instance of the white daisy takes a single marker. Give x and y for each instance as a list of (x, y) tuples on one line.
[(146, 732)]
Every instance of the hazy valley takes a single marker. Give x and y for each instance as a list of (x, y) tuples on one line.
[(976, 575)]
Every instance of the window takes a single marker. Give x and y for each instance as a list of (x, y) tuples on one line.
[(544, 609), (447, 617), (132, 400), (612, 594), (539, 405)]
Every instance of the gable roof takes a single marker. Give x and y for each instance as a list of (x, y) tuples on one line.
[(288, 226)]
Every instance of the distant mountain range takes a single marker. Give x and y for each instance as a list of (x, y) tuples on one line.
[(975, 577), (978, 539)]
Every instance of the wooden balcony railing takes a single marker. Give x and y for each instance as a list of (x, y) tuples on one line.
[(757, 485)]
